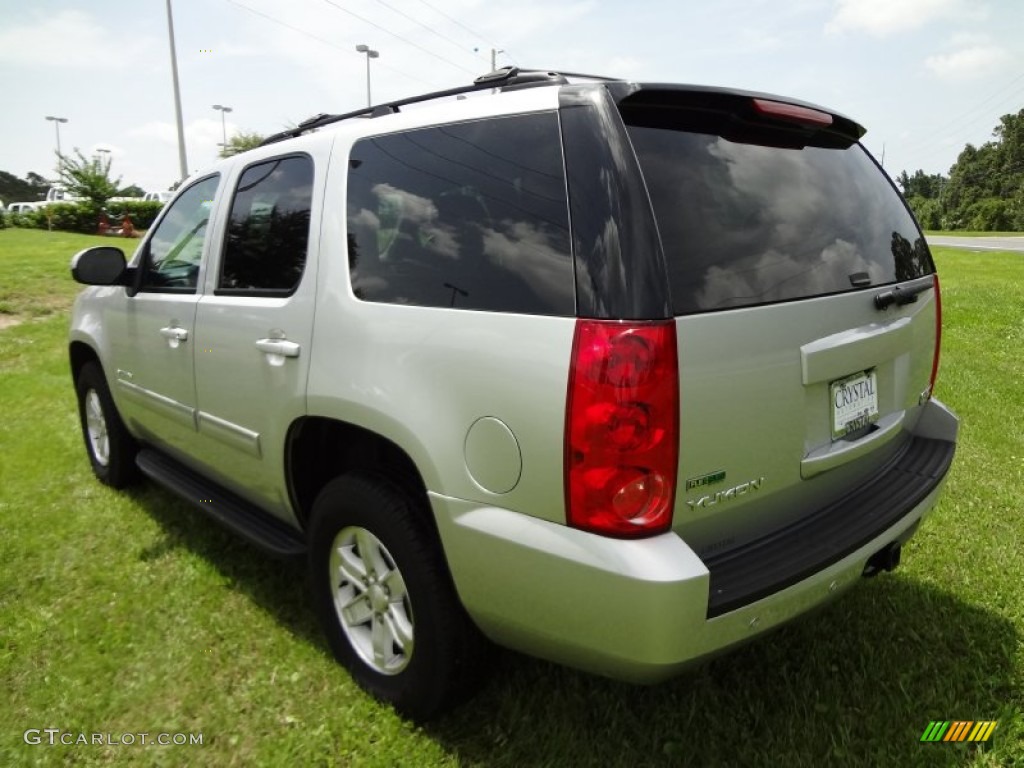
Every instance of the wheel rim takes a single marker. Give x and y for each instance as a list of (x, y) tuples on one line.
[(371, 600), (96, 428)]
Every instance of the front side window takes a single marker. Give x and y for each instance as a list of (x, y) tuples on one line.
[(470, 215), (175, 250), (268, 231)]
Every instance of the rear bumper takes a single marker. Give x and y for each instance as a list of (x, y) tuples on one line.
[(642, 610)]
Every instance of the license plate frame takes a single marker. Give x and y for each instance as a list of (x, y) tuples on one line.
[(853, 401)]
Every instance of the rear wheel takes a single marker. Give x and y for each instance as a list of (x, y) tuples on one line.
[(110, 447), (384, 596)]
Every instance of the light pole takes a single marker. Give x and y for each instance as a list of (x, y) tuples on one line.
[(56, 124), (223, 125), (177, 95), (370, 54)]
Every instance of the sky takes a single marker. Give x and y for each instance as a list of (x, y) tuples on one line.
[(925, 77)]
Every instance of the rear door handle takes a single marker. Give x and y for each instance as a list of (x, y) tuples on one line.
[(281, 347), (174, 335)]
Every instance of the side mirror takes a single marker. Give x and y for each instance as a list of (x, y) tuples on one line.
[(100, 265)]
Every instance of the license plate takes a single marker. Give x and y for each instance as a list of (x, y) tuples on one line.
[(854, 403)]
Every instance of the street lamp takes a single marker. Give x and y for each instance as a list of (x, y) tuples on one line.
[(182, 160), (223, 125), (370, 54), (56, 124)]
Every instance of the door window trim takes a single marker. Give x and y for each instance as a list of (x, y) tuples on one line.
[(145, 252), (269, 293)]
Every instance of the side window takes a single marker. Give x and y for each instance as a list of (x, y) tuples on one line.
[(268, 232), (471, 215), (175, 250)]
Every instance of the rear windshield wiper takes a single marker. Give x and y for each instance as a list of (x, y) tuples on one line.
[(900, 296)]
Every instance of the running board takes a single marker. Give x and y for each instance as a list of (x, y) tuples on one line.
[(248, 521)]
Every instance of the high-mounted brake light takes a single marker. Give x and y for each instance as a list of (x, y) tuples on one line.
[(938, 337), (793, 113), (622, 428)]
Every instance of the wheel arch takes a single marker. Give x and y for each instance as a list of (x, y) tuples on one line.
[(319, 449), (80, 353)]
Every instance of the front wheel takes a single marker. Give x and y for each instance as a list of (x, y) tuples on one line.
[(110, 447), (384, 597)]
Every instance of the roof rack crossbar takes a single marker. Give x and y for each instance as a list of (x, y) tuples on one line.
[(499, 78)]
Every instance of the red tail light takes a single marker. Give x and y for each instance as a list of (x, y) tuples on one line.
[(622, 428), (938, 336)]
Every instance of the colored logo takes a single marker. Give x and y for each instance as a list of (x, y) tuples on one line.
[(959, 730)]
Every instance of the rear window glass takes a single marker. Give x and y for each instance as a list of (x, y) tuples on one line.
[(744, 224), (466, 216)]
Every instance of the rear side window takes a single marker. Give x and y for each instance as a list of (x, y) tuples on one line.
[(470, 215), (268, 232), (744, 224)]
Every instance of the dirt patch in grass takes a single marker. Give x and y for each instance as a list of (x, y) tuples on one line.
[(9, 321)]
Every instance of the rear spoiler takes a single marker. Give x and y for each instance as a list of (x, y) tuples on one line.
[(735, 115)]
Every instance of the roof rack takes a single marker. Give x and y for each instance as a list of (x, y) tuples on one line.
[(506, 78)]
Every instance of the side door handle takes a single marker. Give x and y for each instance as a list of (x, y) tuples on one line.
[(280, 347), (174, 335)]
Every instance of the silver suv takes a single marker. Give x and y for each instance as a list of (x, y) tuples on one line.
[(616, 374)]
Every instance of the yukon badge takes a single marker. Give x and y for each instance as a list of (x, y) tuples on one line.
[(739, 490)]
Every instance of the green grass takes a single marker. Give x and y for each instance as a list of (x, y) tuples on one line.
[(35, 278), (964, 233), (132, 612)]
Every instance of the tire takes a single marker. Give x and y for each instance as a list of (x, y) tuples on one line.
[(110, 447), (383, 594)]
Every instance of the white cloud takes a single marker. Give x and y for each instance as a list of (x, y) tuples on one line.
[(160, 131), (518, 23), (202, 138), (203, 131), (69, 38), (622, 66), (881, 18), (969, 63)]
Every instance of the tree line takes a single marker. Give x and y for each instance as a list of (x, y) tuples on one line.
[(984, 190), (89, 178)]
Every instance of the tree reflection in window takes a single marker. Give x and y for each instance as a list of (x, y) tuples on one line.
[(471, 215), (268, 230)]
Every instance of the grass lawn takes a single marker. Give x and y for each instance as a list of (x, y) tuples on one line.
[(963, 233), (129, 613)]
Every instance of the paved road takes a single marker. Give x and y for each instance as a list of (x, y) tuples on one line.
[(979, 243)]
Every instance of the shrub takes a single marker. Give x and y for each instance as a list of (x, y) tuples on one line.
[(83, 216), (988, 215), (927, 211), (69, 217), (26, 219), (143, 212)]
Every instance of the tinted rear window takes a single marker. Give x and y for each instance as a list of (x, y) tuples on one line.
[(744, 224), (467, 216)]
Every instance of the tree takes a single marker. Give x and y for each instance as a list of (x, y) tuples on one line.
[(132, 190), (36, 180), (921, 184), (88, 178), (15, 190), (241, 142), (985, 188)]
